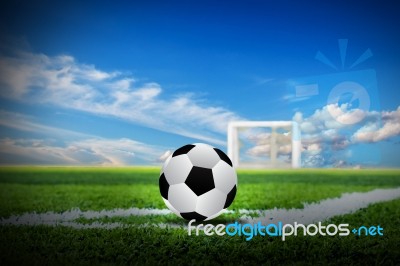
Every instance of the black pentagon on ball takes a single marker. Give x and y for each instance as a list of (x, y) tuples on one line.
[(230, 197), (164, 186), (223, 156), (193, 215), (200, 180), (183, 150)]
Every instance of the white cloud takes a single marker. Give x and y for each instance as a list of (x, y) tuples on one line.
[(26, 123), (164, 156), (259, 150), (314, 147), (64, 82), (391, 116), (33, 151), (344, 115), (150, 91), (60, 146), (264, 150), (330, 116), (117, 151), (262, 143), (323, 134), (291, 98), (373, 132), (111, 152), (325, 128), (334, 128)]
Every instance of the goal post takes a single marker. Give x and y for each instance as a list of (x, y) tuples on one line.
[(270, 147)]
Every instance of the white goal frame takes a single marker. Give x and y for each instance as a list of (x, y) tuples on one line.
[(233, 139)]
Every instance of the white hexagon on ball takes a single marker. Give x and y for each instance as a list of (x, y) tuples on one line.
[(177, 169), (182, 198), (225, 175), (203, 156), (198, 182), (211, 203)]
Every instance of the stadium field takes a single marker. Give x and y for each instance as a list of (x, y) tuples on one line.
[(97, 215)]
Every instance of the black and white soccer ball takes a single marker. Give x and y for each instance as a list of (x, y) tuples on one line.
[(198, 182)]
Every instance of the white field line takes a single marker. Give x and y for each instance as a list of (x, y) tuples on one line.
[(311, 213), (314, 212), (67, 217)]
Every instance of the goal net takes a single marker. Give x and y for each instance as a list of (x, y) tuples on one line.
[(264, 144)]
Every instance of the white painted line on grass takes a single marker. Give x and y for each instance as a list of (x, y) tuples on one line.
[(34, 218), (314, 212), (101, 225), (311, 213)]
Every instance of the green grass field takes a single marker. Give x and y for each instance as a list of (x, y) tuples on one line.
[(59, 189)]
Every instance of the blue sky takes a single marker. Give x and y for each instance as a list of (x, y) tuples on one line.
[(121, 84)]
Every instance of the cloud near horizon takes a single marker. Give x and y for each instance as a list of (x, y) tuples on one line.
[(57, 146), (376, 131), (332, 129), (105, 152), (329, 133)]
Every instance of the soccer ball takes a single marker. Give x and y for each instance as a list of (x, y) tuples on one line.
[(198, 182)]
